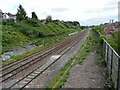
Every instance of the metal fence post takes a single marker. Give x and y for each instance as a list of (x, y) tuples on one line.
[(107, 53), (118, 76), (103, 48), (111, 62)]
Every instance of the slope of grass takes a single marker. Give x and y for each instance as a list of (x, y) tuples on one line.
[(11, 38), (30, 30)]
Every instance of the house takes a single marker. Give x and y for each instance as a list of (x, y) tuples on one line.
[(11, 16), (8, 16), (0, 14), (5, 16), (109, 28), (117, 26), (43, 21)]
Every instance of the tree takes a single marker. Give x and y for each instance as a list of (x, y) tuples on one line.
[(21, 13), (34, 15), (76, 23), (49, 18)]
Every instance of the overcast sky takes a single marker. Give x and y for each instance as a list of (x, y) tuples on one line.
[(87, 12)]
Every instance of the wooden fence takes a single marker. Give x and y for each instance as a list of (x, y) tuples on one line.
[(112, 60)]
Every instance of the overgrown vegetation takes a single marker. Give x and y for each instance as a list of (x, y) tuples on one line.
[(32, 30), (100, 29), (91, 44), (114, 40)]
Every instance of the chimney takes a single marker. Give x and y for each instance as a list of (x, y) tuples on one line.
[(112, 21)]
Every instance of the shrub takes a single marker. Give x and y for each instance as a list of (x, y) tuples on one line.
[(8, 22), (49, 18), (101, 38), (25, 30), (31, 22), (37, 33)]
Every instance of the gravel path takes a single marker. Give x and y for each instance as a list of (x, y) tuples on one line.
[(87, 75)]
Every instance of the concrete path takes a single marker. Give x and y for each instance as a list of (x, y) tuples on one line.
[(87, 75)]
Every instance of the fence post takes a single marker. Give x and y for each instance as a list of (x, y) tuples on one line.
[(103, 46), (107, 53), (118, 77), (111, 62)]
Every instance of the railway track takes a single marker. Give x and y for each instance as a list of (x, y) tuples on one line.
[(7, 66), (40, 69), (12, 69)]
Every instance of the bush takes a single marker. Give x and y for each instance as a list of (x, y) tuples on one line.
[(8, 22), (31, 22), (114, 41), (31, 32), (40, 34), (101, 38), (37, 33)]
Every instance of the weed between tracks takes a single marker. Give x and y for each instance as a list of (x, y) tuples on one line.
[(91, 44)]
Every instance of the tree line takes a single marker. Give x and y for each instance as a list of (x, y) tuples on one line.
[(21, 14)]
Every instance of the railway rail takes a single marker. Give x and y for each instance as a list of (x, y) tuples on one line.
[(62, 47), (23, 65)]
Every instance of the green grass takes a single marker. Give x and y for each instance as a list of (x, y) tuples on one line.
[(30, 30), (11, 38), (88, 46)]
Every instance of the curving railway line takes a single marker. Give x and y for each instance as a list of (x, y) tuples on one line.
[(11, 70)]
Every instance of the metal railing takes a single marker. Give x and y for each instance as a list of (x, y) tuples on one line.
[(112, 60)]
